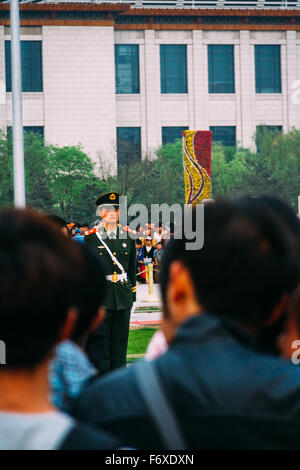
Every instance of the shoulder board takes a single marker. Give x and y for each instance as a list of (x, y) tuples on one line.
[(128, 229), (89, 232), (93, 230)]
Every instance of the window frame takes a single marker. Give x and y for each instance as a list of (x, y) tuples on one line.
[(165, 75), (138, 157), (222, 142), (182, 128), (135, 74), (259, 61), (229, 72), (32, 82)]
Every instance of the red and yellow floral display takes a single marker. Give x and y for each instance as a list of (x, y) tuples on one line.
[(197, 165)]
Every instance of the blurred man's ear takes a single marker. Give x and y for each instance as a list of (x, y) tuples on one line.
[(98, 319), (180, 299), (69, 325)]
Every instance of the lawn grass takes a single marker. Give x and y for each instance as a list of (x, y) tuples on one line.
[(138, 342)]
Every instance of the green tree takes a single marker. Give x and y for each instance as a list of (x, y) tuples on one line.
[(153, 180), (6, 171), (70, 173), (36, 161), (228, 171), (64, 180)]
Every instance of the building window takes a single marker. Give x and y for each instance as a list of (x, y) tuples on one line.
[(267, 69), (128, 145), (224, 135), (38, 130), (261, 131), (31, 63), (170, 134), (173, 69), (220, 69), (127, 68)]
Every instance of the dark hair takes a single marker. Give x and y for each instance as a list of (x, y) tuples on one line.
[(91, 294), (57, 220), (286, 212), (267, 336), (138, 242), (247, 263), (38, 281)]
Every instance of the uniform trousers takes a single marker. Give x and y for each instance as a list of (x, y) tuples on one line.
[(107, 345), (116, 331)]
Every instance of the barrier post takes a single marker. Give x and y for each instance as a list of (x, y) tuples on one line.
[(150, 277)]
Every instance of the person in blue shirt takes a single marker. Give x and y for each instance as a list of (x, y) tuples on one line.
[(77, 236), (71, 370)]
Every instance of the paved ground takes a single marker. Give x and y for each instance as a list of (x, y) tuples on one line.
[(147, 309)]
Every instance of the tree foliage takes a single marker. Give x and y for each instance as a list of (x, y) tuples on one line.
[(58, 180), (63, 180)]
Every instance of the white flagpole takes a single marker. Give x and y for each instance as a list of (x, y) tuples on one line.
[(16, 75)]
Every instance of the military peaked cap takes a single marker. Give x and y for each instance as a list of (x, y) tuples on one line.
[(108, 199)]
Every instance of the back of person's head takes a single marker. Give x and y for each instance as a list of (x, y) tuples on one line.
[(38, 280), (91, 295), (60, 222), (248, 262), (282, 209)]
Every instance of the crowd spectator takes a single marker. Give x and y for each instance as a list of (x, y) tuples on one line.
[(78, 237), (140, 267), (148, 251), (71, 369), (220, 390), (148, 254), (39, 279), (72, 226), (157, 345), (158, 258), (140, 232), (149, 235), (84, 228), (159, 235)]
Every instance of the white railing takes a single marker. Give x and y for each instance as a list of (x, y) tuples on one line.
[(178, 4), (185, 4)]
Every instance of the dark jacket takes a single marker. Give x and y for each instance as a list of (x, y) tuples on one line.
[(120, 296), (148, 254), (83, 437), (225, 394)]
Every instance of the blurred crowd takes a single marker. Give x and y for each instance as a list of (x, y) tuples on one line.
[(150, 249), (221, 373)]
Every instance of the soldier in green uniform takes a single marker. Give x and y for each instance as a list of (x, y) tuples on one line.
[(117, 250)]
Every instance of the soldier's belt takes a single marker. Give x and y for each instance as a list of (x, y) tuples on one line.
[(117, 277)]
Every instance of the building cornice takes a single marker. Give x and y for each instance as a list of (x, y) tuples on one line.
[(124, 17), (107, 7), (211, 12)]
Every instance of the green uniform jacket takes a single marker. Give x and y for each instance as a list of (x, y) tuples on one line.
[(120, 295)]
